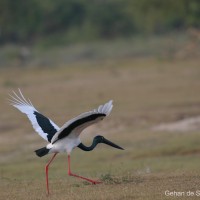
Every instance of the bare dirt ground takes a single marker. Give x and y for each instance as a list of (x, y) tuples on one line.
[(188, 124)]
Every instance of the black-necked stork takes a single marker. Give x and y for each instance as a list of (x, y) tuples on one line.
[(66, 138)]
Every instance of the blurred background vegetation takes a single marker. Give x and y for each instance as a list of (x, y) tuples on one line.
[(28, 27), (29, 21)]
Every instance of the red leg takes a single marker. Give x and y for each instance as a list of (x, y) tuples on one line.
[(46, 170), (71, 174)]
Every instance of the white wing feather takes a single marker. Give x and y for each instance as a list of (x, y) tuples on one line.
[(25, 106)]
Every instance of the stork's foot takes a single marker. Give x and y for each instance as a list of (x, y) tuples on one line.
[(84, 178), (93, 182), (96, 182)]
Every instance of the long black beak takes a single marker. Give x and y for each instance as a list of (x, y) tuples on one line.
[(111, 144)]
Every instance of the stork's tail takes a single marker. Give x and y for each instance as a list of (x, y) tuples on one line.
[(42, 152)]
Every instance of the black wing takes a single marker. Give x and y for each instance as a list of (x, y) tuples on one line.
[(75, 126)]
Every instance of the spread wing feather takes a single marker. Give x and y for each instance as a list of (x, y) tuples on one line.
[(79, 123), (44, 126)]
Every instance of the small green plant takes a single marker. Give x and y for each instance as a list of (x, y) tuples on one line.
[(76, 185), (107, 177), (111, 179)]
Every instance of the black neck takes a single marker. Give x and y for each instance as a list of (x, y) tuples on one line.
[(90, 148)]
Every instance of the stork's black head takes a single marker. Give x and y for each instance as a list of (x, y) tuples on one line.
[(98, 139), (101, 139)]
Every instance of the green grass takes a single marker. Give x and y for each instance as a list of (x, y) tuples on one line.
[(176, 45), (146, 92)]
